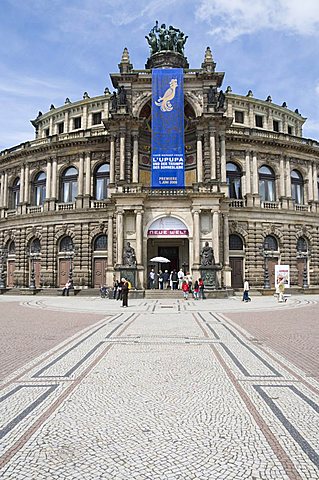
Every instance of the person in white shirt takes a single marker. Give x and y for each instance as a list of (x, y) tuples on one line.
[(246, 291), (180, 275)]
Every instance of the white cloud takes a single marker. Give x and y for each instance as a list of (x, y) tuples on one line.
[(231, 19), (317, 88)]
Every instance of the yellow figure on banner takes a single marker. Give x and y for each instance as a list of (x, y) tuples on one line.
[(164, 101)]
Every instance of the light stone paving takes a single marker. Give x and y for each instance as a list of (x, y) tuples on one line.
[(161, 390)]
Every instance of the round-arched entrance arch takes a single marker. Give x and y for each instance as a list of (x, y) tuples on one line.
[(168, 237)]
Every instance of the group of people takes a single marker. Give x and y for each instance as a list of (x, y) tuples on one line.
[(121, 289), (280, 291), (196, 289)]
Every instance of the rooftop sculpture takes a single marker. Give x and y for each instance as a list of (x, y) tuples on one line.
[(162, 38)]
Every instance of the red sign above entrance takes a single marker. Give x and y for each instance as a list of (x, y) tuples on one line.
[(168, 233)]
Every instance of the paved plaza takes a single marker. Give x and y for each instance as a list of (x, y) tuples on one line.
[(164, 389)]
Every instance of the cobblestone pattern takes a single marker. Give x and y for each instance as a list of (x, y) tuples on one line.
[(169, 393), (25, 335)]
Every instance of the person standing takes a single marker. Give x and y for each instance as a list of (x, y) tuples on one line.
[(281, 289), (180, 278), (151, 278), (160, 280), (174, 279), (196, 290), (166, 279), (201, 288), (246, 291), (185, 289), (125, 290)]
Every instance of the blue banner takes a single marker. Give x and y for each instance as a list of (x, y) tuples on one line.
[(168, 158)]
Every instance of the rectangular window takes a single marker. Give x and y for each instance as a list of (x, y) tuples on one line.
[(239, 116), (290, 130), (61, 127), (276, 126), (76, 122), (96, 118), (46, 132), (259, 121)]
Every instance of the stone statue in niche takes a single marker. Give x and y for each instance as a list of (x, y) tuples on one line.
[(113, 99), (207, 255), (122, 96), (129, 257)]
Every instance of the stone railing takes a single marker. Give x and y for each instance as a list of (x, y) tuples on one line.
[(35, 209), (270, 205), (65, 206), (302, 208), (254, 132), (11, 213), (237, 203), (97, 204)]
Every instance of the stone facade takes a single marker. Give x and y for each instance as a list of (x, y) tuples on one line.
[(72, 198)]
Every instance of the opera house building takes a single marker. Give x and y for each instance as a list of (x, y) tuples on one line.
[(169, 163)]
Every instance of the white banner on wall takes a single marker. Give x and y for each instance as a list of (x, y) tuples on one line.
[(282, 272), (168, 227)]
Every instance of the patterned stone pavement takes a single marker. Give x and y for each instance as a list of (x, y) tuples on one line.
[(165, 389)]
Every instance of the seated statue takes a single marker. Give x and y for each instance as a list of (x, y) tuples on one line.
[(207, 255), (129, 257)]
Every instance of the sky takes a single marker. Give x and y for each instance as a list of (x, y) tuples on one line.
[(53, 49)]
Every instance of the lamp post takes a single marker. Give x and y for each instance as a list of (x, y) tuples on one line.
[(69, 253), (304, 256), (33, 254), (3, 259), (266, 254)]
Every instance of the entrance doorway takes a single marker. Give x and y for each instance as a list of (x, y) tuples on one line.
[(99, 268), (236, 264), (64, 269), (172, 253)]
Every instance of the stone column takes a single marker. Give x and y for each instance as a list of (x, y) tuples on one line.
[(87, 191), (112, 159), (226, 269), (196, 238), (26, 184), (215, 236), (139, 236), (226, 239), (247, 174), (66, 122), (54, 178), (288, 178), (315, 182), (282, 192), (48, 180), (199, 158), (81, 175), (2, 191), (51, 132), (212, 149), (222, 158), (255, 174), (22, 184), (310, 183), (122, 155), (119, 231), (135, 158), (110, 241), (5, 190), (85, 117)]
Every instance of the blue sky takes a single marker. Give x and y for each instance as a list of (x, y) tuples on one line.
[(53, 49)]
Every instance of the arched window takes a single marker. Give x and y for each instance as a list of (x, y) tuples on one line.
[(235, 242), (15, 194), (266, 184), (297, 191), (12, 248), (270, 243), (66, 244), (100, 243), (233, 175), (302, 245), (69, 188), (101, 181), (35, 246), (39, 189)]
